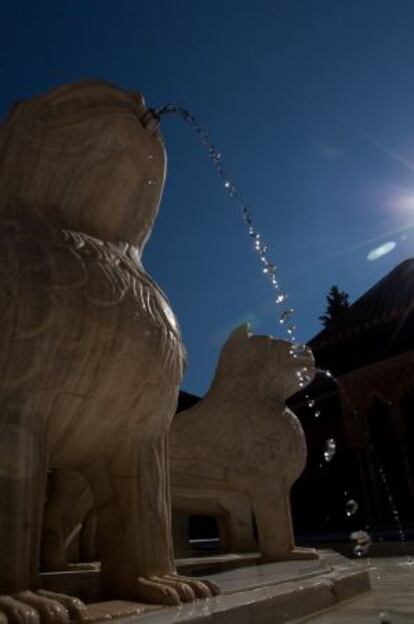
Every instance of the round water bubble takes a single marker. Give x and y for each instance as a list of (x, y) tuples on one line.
[(330, 449), (384, 618), (351, 507), (317, 413), (362, 541), (311, 403), (286, 315)]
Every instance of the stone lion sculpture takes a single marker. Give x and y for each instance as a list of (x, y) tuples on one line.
[(91, 356), (240, 449), (234, 454)]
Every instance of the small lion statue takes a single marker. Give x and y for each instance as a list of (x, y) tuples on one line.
[(92, 356), (240, 449), (234, 454)]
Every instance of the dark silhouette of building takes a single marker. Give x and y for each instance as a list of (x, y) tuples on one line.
[(368, 411)]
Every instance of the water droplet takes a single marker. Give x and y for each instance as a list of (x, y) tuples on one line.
[(261, 248), (281, 298), (303, 377), (230, 188), (269, 269), (384, 618), (286, 315), (150, 181), (351, 507), (311, 403), (317, 414), (359, 550), (203, 137), (252, 231), (299, 349), (330, 449), (362, 541)]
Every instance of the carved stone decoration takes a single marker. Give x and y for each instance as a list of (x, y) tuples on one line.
[(241, 443), (91, 356)]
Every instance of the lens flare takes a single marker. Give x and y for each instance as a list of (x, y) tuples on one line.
[(382, 250)]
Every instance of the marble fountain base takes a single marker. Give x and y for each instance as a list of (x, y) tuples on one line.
[(255, 594)]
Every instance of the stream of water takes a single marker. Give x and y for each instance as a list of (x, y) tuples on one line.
[(285, 315)]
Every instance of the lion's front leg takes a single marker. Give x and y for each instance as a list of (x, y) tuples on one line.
[(135, 527), (23, 475), (271, 507)]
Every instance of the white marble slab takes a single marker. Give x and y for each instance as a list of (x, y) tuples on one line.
[(391, 600), (266, 594)]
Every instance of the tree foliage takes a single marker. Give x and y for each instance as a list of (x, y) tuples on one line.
[(337, 303)]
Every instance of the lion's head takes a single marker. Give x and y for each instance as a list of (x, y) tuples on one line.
[(84, 157), (262, 363)]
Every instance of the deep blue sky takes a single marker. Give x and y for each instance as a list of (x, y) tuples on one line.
[(312, 105)]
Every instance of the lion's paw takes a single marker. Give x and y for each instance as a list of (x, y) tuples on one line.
[(172, 589), (42, 607), (16, 612), (203, 588), (76, 609)]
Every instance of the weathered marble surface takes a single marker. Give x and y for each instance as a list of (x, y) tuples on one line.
[(240, 449), (91, 356)]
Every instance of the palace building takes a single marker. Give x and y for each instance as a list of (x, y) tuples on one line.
[(367, 411)]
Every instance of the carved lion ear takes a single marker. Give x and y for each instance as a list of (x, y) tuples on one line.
[(241, 333)]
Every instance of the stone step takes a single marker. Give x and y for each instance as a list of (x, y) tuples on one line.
[(264, 594)]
